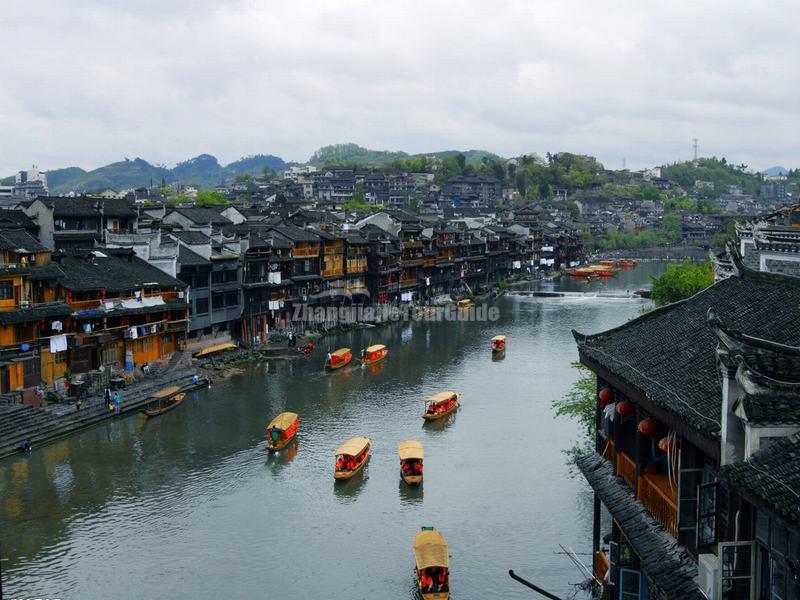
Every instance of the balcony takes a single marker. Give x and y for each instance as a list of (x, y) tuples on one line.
[(335, 272), (407, 283), (412, 262), (626, 468), (660, 500), (412, 244), (357, 266), (305, 252)]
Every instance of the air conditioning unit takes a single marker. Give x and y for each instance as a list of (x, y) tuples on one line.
[(708, 575)]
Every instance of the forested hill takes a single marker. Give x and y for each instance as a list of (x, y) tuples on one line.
[(203, 170)]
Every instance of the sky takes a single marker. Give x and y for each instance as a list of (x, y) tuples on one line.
[(85, 83)]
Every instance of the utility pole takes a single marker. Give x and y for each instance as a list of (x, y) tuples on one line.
[(694, 143)]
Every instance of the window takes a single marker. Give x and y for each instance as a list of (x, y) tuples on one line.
[(232, 299), (60, 358), (737, 569), (630, 584), (707, 509), (231, 276), (201, 280), (217, 301), (688, 481), (217, 277), (6, 290), (201, 306)]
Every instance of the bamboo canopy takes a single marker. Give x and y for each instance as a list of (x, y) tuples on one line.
[(341, 352), (216, 348), (353, 446), (441, 397), (283, 421), (410, 449), (166, 392), (375, 348), (430, 550), (499, 338)]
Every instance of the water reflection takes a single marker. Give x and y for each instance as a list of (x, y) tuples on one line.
[(110, 495), (277, 461), (347, 490), (411, 494), (441, 425)]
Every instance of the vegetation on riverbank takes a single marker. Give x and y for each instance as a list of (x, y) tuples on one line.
[(681, 281)]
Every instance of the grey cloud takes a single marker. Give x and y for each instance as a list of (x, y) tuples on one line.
[(89, 82)]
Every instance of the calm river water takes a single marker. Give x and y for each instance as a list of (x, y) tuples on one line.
[(189, 505)]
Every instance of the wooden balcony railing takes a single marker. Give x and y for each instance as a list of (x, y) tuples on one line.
[(600, 565), (78, 305), (609, 453), (335, 272), (305, 252), (661, 502), (626, 468)]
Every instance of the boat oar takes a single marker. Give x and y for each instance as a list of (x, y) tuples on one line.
[(535, 588)]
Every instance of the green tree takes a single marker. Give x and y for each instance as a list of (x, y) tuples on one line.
[(579, 403), (671, 225), (210, 198), (682, 281)]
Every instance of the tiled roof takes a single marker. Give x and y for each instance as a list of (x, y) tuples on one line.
[(188, 258), (669, 354), (12, 219), (111, 270), (664, 561), (84, 206), (193, 238), (34, 313), (771, 477), (202, 216), (20, 241)]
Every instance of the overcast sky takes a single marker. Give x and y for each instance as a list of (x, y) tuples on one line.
[(86, 83)]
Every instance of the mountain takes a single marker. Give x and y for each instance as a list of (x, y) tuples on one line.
[(355, 154), (203, 170), (773, 171)]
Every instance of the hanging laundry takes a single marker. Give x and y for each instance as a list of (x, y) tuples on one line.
[(57, 326), (58, 343), (153, 329), (87, 327), (133, 333)]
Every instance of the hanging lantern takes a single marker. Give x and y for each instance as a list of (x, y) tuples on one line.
[(606, 395), (665, 444), (625, 408), (648, 427)]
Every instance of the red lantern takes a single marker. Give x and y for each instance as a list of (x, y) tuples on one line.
[(625, 408), (606, 395), (665, 444), (648, 427)]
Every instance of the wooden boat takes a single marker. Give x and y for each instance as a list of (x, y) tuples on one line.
[(498, 343), (164, 400), (464, 303), (373, 354), (440, 405), (411, 455), (281, 430), (356, 449), (432, 564), (339, 358)]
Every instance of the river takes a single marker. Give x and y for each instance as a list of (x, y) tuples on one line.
[(189, 505)]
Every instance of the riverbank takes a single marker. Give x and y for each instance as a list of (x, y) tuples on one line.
[(155, 494), (670, 253)]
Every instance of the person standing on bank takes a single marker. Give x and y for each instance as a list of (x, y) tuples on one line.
[(117, 403)]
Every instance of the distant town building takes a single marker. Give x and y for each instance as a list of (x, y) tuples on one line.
[(30, 183)]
